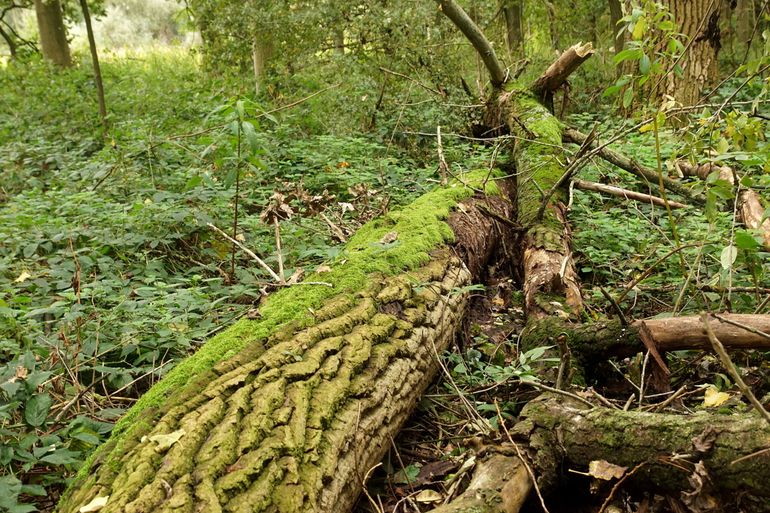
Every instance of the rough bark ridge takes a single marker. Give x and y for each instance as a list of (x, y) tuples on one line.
[(293, 423), (698, 20)]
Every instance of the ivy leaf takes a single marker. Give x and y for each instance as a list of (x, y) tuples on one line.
[(36, 410), (62, 456)]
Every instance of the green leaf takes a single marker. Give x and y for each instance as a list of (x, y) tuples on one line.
[(10, 487), (36, 409), (628, 54), (628, 97), (62, 456), (644, 64), (744, 240), (728, 256)]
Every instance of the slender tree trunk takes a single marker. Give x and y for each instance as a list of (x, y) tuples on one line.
[(261, 52), (97, 68), (744, 21), (339, 41), (616, 14), (513, 12), (53, 35), (698, 20), (551, 10)]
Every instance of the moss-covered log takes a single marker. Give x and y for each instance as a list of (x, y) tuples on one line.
[(549, 270), (288, 413), (729, 451)]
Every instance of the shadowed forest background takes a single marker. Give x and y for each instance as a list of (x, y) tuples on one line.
[(284, 127)]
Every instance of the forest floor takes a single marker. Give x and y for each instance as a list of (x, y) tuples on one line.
[(109, 274)]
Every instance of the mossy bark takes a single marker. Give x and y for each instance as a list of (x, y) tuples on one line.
[(549, 271), (731, 450), (293, 421)]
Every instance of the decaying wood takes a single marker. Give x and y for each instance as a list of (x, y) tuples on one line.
[(751, 212), (597, 341), (500, 484), (558, 72), (728, 452), (649, 175), (293, 423), (624, 193)]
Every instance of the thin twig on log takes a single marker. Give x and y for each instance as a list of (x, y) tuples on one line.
[(443, 167), (742, 325), (729, 366)]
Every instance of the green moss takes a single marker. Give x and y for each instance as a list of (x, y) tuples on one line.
[(418, 229), (539, 155)]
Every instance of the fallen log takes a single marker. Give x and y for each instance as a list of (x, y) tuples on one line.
[(624, 193), (293, 414), (649, 175), (608, 338), (728, 454)]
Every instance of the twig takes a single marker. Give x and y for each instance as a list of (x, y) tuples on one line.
[(571, 169), (743, 326), (336, 230), (649, 270), (624, 193), (540, 386), (443, 167), (729, 366), (278, 250), (248, 252), (617, 485), (615, 306), (521, 458), (401, 75)]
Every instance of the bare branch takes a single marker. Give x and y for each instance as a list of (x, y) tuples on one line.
[(477, 38)]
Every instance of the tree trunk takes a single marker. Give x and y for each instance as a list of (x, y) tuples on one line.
[(698, 20), (97, 68), (261, 52), (53, 35), (293, 423), (616, 14), (513, 12)]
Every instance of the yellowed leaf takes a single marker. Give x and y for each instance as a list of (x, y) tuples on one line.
[(714, 397), (166, 441), (323, 269), (24, 276), (601, 469), (95, 505)]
